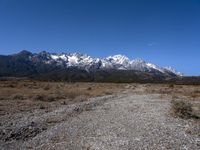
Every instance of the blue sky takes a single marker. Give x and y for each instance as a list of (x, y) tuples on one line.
[(164, 32)]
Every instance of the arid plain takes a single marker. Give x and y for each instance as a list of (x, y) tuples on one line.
[(60, 115)]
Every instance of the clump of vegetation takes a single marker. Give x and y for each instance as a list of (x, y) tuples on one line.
[(108, 93), (64, 103), (197, 91), (45, 98), (72, 94), (182, 109), (49, 98), (41, 106), (88, 107), (171, 86), (39, 97), (46, 87), (18, 97), (2, 98), (89, 88)]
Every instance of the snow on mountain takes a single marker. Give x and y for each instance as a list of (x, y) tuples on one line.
[(155, 67), (115, 62), (119, 59), (170, 69), (119, 62)]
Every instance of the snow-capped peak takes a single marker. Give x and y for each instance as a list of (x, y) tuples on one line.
[(118, 62)]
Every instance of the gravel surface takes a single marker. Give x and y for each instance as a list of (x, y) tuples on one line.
[(126, 121)]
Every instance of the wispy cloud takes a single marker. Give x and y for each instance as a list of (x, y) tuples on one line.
[(151, 44)]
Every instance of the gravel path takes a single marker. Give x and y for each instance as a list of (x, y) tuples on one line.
[(126, 121)]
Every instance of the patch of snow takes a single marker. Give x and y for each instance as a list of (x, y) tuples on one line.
[(154, 67), (73, 60), (54, 57)]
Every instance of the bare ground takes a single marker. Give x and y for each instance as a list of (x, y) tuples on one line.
[(131, 117)]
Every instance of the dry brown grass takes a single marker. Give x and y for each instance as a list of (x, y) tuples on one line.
[(189, 92), (29, 95)]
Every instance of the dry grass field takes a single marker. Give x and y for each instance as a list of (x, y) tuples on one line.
[(22, 96), (27, 95), (190, 92)]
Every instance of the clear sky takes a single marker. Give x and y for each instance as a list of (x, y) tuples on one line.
[(164, 32)]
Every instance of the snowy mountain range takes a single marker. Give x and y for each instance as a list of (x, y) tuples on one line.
[(81, 67), (83, 61)]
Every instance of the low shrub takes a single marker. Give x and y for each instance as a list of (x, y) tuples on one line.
[(89, 88), (47, 87), (72, 94), (41, 106), (18, 97), (39, 97), (183, 109), (48, 98), (171, 86)]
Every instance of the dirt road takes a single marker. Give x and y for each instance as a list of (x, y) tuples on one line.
[(124, 121)]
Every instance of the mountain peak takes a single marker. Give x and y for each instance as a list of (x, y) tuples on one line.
[(86, 62), (24, 52)]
